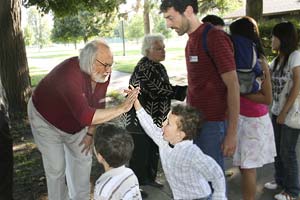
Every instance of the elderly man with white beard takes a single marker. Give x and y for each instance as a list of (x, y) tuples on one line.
[(63, 111)]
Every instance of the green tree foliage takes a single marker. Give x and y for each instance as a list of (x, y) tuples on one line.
[(66, 30), (222, 6), (71, 7), (82, 26), (28, 36), (134, 29), (39, 26), (159, 23), (97, 24), (160, 26), (147, 5)]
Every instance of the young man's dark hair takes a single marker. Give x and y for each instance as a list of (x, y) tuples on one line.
[(214, 20), (179, 5), (189, 120), (114, 144)]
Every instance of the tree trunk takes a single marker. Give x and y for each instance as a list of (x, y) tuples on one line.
[(85, 39), (13, 62), (254, 9), (146, 17), (6, 151), (75, 45)]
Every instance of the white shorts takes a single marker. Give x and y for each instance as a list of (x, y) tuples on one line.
[(256, 144)]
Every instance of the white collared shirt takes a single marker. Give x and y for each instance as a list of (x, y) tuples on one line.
[(116, 184), (186, 167)]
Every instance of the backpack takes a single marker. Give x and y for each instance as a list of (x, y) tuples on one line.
[(248, 68)]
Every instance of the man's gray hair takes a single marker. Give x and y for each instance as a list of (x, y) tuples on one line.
[(88, 54), (149, 40)]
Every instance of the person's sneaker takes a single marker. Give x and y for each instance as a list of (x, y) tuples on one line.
[(228, 173), (155, 184), (143, 194), (271, 185), (284, 196)]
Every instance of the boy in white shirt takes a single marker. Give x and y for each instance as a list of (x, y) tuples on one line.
[(113, 148), (188, 170)]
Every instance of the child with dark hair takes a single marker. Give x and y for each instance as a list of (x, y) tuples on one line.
[(113, 148), (255, 126), (215, 20), (285, 77), (188, 170), (247, 51)]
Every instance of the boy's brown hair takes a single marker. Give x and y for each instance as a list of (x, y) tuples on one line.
[(114, 144), (189, 121)]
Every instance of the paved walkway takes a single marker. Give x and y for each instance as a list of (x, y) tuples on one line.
[(119, 81)]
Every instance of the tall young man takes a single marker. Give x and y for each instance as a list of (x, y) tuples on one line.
[(212, 80)]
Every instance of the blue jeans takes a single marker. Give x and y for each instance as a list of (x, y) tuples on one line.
[(210, 138), (286, 165)]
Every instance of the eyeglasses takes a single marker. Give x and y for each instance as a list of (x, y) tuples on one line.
[(105, 64), (158, 49)]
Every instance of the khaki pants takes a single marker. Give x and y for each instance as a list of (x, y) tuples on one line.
[(62, 159)]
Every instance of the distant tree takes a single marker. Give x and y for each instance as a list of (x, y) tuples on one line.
[(28, 36), (160, 26), (147, 6), (62, 8), (159, 23), (39, 27), (222, 6), (66, 30), (134, 29), (82, 26), (97, 24)]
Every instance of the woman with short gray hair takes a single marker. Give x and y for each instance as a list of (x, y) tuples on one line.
[(148, 42)]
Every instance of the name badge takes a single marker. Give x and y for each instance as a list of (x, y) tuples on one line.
[(193, 58)]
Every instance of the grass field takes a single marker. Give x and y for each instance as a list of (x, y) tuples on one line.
[(42, 61)]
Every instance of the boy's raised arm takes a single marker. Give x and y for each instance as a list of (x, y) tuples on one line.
[(148, 125), (137, 105)]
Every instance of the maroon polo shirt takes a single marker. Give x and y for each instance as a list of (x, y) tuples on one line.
[(65, 98), (206, 89)]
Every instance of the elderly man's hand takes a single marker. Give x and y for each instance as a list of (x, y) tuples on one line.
[(87, 143), (132, 95)]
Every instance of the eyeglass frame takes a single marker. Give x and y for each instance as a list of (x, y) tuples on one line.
[(105, 64)]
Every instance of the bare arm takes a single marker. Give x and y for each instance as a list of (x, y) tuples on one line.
[(233, 103), (264, 96), (292, 96)]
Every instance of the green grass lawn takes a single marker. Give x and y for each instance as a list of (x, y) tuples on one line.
[(41, 59)]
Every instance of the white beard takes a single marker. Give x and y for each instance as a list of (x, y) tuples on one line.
[(100, 78)]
